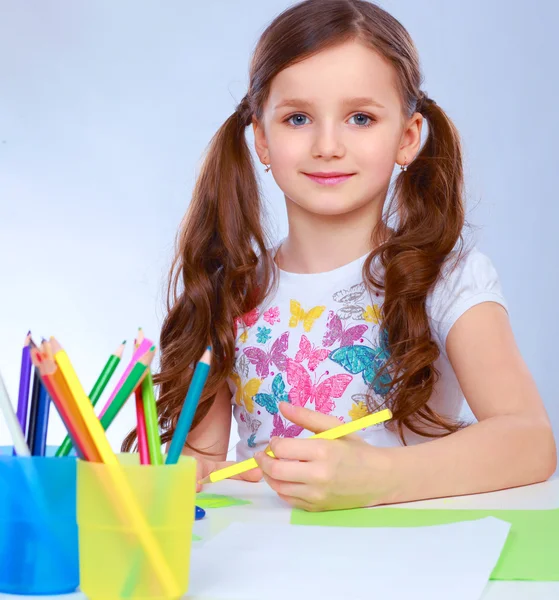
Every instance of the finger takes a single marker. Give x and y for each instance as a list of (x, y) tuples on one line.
[(283, 470), (299, 449), (311, 420), (287, 489), (298, 503)]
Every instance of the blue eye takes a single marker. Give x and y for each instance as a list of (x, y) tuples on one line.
[(363, 116), (294, 117)]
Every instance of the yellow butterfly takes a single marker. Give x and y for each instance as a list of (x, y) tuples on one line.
[(247, 391), (308, 318)]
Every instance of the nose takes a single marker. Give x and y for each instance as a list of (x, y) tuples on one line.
[(327, 142)]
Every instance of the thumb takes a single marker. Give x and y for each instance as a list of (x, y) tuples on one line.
[(312, 420)]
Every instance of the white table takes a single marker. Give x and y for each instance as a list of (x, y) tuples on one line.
[(267, 507)]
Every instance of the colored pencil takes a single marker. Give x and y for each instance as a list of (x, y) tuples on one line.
[(41, 427), (140, 351), (14, 426), (97, 390), (127, 389), (34, 409), (152, 426), (189, 407), (126, 498), (24, 383), (60, 398), (330, 434), (143, 448)]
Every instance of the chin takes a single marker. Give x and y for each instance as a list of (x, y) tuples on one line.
[(328, 205)]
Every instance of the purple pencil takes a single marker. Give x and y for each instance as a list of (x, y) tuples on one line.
[(139, 352), (24, 384)]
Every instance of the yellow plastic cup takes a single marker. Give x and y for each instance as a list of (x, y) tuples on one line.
[(113, 563)]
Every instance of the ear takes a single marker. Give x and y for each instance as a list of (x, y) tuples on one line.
[(410, 140), (260, 143)]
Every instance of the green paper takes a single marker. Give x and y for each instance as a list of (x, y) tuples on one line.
[(531, 551), (217, 501)]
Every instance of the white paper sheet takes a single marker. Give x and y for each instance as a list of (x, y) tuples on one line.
[(256, 561)]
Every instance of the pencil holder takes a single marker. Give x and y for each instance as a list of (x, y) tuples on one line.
[(38, 530), (114, 562)]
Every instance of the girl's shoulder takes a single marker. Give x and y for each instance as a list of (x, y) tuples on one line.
[(468, 277)]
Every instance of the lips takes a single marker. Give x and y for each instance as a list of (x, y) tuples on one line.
[(330, 177)]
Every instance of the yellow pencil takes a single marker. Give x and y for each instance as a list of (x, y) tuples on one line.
[(121, 486), (330, 434)]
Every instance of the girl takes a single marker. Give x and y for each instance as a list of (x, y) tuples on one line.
[(365, 304)]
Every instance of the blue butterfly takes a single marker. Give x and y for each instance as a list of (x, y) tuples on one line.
[(367, 361), (270, 401)]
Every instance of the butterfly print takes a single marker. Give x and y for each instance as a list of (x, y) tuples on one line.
[(270, 401), (282, 430), (308, 319), (241, 366), (310, 352), (352, 307), (367, 361), (246, 392), (336, 332), (321, 393), (253, 425), (263, 359), (372, 401)]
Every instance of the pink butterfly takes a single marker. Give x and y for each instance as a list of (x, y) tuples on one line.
[(336, 332), (263, 359), (322, 393), (281, 430), (315, 355)]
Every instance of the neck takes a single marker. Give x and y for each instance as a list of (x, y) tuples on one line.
[(319, 243)]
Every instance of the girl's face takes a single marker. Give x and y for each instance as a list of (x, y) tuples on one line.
[(338, 111)]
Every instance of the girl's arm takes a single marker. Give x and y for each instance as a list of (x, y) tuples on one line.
[(512, 444)]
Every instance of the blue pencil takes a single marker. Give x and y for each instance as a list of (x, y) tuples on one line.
[(42, 423), (189, 407)]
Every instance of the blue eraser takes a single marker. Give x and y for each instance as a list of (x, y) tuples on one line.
[(199, 513)]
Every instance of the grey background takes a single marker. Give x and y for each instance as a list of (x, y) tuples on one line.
[(106, 109)]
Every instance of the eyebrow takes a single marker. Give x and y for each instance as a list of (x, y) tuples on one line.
[(359, 100)]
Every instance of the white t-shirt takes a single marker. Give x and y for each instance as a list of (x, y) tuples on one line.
[(316, 342)]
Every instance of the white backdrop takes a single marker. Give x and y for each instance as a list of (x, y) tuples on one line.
[(106, 108)]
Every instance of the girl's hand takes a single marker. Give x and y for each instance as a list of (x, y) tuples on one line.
[(326, 474), (205, 466)]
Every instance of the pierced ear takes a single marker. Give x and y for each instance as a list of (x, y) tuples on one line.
[(260, 144), (411, 140)]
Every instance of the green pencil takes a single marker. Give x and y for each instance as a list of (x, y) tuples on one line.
[(97, 391), (127, 389), (152, 427)]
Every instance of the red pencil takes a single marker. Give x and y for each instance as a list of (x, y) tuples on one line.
[(142, 431)]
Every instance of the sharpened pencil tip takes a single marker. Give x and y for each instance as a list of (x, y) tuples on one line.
[(124, 341)]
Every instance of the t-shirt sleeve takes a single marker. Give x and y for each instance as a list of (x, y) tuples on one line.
[(463, 284)]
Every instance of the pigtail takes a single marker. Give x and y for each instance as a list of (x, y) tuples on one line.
[(213, 277), (428, 197)]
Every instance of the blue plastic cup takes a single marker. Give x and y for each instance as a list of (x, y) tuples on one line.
[(38, 526)]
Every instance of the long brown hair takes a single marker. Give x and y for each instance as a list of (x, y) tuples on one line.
[(223, 267)]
